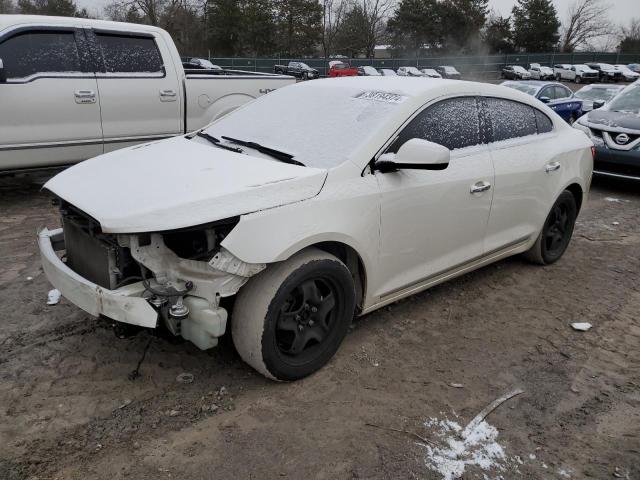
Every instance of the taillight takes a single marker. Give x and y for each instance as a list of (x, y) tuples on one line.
[(593, 152)]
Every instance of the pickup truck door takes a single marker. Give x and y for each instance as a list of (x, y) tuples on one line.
[(140, 93), (50, 109)]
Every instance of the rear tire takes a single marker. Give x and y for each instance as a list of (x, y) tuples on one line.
[(556, 233), (578, 79), (289, 320)]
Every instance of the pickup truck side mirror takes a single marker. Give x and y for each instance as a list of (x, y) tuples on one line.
[(3, 73), (545, 99), (598, 104), (415, 154)]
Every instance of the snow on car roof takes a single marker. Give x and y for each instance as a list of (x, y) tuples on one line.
[(13, 20)]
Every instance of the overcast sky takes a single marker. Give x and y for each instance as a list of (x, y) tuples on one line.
[(621, 10)]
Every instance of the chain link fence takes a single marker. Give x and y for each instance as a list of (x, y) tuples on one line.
[(483, 67)]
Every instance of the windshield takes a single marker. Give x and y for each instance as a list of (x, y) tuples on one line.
[(519, 69), (627, 101), (303, 65), (386, 71), (316, 120), (528, 89), (413, 70), (597, 93), (370, 71), (546, 69), (450, 70)]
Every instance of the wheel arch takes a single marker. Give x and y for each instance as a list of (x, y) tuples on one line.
[(352, 259), (576, 191)]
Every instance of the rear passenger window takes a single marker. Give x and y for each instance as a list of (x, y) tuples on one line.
[(562, 92), (130, 54), (32, 52), (453, 123), (543, 122), (510, 119)]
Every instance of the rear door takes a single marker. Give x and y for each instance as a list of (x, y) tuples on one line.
[(527, 176), (139, 92), (49, 103)]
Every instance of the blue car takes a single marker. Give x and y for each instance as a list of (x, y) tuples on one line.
[(557, 96)]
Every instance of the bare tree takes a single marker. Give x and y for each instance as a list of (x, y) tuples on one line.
[(333, 12), (586, 22), (377, 13)]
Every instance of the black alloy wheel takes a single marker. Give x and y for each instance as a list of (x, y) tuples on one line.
[(558, 228)]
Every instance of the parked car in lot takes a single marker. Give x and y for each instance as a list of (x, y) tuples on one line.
[(297, 69), (341, 69), (634, 67), (368, 71), (76, 88), (615, 131), (559, 98), (538, 72), (515, 72), (428, 180), (628, 75), (200, 64), (431, 73), (447, 71), (575, 73), (606, 72), (410, 72), (596, 95), (387, 72)]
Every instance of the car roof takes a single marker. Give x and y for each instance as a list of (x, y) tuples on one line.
[(7, 21)]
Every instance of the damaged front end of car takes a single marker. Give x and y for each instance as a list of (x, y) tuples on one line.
[(173, 278)]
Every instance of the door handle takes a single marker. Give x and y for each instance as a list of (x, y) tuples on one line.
[(552, 167), (168, 95), (480, 187), (85, 96)]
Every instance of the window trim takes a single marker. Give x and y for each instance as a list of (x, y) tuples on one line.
[(96, 49), (85, 70)]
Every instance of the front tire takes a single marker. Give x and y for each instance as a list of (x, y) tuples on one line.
[(289, 320), (556, 233), (578, 79)]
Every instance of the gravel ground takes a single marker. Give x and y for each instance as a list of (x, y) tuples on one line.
[(69, 410)]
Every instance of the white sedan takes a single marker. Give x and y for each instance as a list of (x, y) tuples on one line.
[(390, 186)]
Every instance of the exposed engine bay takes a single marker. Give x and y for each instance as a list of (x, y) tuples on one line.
[(182, 273)]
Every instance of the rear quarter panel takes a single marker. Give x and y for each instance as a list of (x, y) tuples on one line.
[(210, 97)]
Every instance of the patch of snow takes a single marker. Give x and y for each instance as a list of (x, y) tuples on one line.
[(532, 456), (613, 200), (581, 326), (53, 297), (479, 448), (564, 473)]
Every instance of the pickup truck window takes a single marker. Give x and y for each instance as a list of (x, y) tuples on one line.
[(130, 54), (32, 52)]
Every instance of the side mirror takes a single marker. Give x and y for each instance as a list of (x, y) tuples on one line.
[(3, 73), (598, 104), (545, 99), (415, 154)]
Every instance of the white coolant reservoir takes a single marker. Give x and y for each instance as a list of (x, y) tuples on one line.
[(204, 324)]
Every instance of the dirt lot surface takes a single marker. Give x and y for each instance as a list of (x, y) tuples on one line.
[(68, 409)]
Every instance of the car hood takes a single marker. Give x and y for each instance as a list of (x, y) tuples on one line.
[(180, 183), (614, 120)]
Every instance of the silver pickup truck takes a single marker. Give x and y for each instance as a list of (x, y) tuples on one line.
[(73, 88)]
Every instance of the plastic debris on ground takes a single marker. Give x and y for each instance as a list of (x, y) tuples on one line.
[(581, 326), (53, 297), (185, 378), (455, 452)]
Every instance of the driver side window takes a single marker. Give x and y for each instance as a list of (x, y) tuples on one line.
[(452, 123)]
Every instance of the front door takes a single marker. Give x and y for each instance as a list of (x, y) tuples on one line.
[(49, 106), (432, 221)]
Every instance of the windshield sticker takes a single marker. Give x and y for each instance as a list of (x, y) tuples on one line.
[(382, 97)]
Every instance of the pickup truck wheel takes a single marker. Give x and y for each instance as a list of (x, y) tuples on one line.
[(578, 79), (289, 320), (556, 233), (558, 77)]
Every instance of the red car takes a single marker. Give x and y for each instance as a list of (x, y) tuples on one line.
[(341, 69)]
